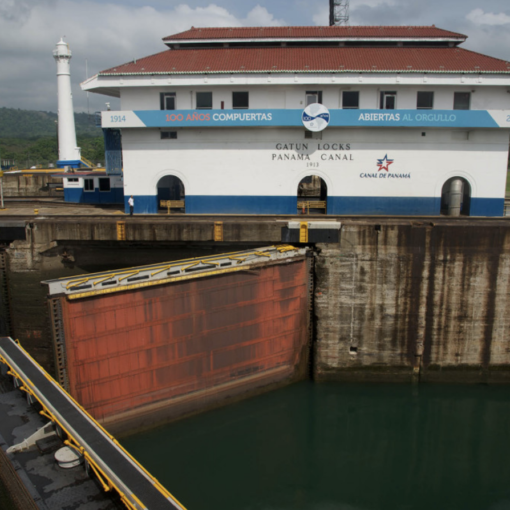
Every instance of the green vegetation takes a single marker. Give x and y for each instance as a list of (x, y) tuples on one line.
[(30, 137), (43, 151), (16, 123)]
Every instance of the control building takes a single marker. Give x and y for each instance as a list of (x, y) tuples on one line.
[(335, 120)]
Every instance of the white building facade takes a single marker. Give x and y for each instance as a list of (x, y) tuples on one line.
[(217, 121)]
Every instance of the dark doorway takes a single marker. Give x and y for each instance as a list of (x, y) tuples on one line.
[(312, 195), (456, 186), (170, 188)]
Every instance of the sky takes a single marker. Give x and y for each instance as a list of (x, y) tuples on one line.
[(106, 33)]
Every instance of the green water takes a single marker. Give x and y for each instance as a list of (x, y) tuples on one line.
[(335, 446)]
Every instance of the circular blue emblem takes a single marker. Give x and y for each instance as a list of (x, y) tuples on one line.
[(315, 117)]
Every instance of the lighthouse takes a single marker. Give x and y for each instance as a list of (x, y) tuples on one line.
[(68, 152)]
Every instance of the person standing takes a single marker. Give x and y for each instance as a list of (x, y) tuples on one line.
[(131, 203)]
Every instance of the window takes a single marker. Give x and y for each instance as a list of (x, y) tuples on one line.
[(461, 100), (104, 184), (388, 100), (72, 179), (88, 184), (313, 96), (240, 99), (167, 100), (204, 100), (425, 101), (350, 100), (168, 135)]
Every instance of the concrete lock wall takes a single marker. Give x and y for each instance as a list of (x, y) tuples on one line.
[(414, 300), (31, 185), (396, 299)]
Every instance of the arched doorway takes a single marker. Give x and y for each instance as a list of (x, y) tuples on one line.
[(456, 197), (312, 195), (171, 188)]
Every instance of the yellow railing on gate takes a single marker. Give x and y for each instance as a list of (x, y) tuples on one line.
[(106, 482)]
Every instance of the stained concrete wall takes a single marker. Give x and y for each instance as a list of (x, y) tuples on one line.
[(415, 299), (30, 185), (404, 300)]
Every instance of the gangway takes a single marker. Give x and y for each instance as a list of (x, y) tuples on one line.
[(114, 467)]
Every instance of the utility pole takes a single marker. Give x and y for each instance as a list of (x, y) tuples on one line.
[(338, 13)]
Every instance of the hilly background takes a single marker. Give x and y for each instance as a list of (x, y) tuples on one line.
[(30, 137)]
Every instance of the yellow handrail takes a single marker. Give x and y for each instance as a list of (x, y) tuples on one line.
[(106, 482), (87, 162)]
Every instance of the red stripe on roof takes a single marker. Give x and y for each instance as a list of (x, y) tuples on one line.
[(287, 59), (314, 32)]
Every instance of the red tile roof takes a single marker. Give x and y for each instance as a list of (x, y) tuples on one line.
[(305, 60), (403, 32)]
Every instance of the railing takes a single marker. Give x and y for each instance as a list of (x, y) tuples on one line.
[(107, 282), (172, 204), (306, 205), (86, 162), (55, 394)]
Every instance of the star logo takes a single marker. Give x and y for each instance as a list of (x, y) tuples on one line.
[(384, 163)]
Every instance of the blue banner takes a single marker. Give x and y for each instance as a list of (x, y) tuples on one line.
[(293, 118)]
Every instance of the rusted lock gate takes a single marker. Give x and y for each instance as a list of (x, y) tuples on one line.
[(163, 340)]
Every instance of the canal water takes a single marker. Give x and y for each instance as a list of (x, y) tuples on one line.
[(340, 446)]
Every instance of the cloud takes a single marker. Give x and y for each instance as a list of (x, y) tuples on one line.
[(261, 17), (19, 10), (104, 34), (479, 17)]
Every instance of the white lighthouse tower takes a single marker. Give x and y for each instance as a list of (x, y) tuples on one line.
[(68, 153)]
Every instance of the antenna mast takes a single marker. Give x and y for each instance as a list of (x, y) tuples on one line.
[(338, 13)]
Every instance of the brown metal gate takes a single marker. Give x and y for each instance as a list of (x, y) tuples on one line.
[(152, 351)]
